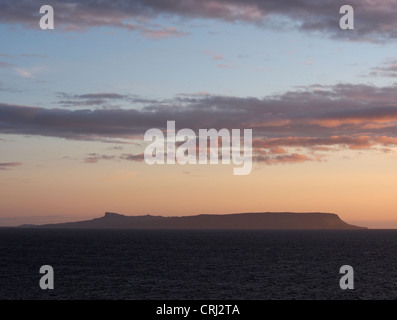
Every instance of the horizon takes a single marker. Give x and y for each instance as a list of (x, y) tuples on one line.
[(77, 100)]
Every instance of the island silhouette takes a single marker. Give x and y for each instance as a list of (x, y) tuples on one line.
[(262, 220)]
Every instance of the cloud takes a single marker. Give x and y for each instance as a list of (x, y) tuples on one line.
[(277, 150), (99, 100), (163, 33), (33, 55), (118, 148), (6, 64), (350, 142), (132, 157), (376, 20), (28, 72), (100, 96), (224, 66), (195, 94), (96, 157), (386, 69), (282, 159), (213, 55), (102, 99), (24, 73), (304, 121), (9, 165), (78, 16)]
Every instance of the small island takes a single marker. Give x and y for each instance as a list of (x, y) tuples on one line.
[(236, 221)]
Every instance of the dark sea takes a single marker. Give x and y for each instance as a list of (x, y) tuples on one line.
[(209, 265)]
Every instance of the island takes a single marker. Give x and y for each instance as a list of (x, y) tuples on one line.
[(236, 221)]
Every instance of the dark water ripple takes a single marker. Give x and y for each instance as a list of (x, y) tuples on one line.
[(144, 264)]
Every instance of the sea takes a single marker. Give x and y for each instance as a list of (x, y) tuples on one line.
[(198, 264)]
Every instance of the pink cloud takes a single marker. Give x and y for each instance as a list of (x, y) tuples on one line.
[(165, 32), (224, 66)]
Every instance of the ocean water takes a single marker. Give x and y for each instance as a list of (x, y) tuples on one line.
[(207, 265)]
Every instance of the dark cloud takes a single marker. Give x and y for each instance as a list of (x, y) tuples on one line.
[(9, 165), (74, 15), (96, 157), (374, 20), (100, 100), (96, 96), (316, 110), (315, 118), (118, 148), (78, 124), (132, 157)]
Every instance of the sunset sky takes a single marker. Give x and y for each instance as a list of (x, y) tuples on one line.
[(76, 101)]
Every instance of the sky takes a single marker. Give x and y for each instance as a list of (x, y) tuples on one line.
[(76, 101)]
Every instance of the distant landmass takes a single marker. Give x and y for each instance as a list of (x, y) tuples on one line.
[(264, 220)]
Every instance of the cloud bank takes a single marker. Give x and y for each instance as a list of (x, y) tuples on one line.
[(291, 127), (375, 20)]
